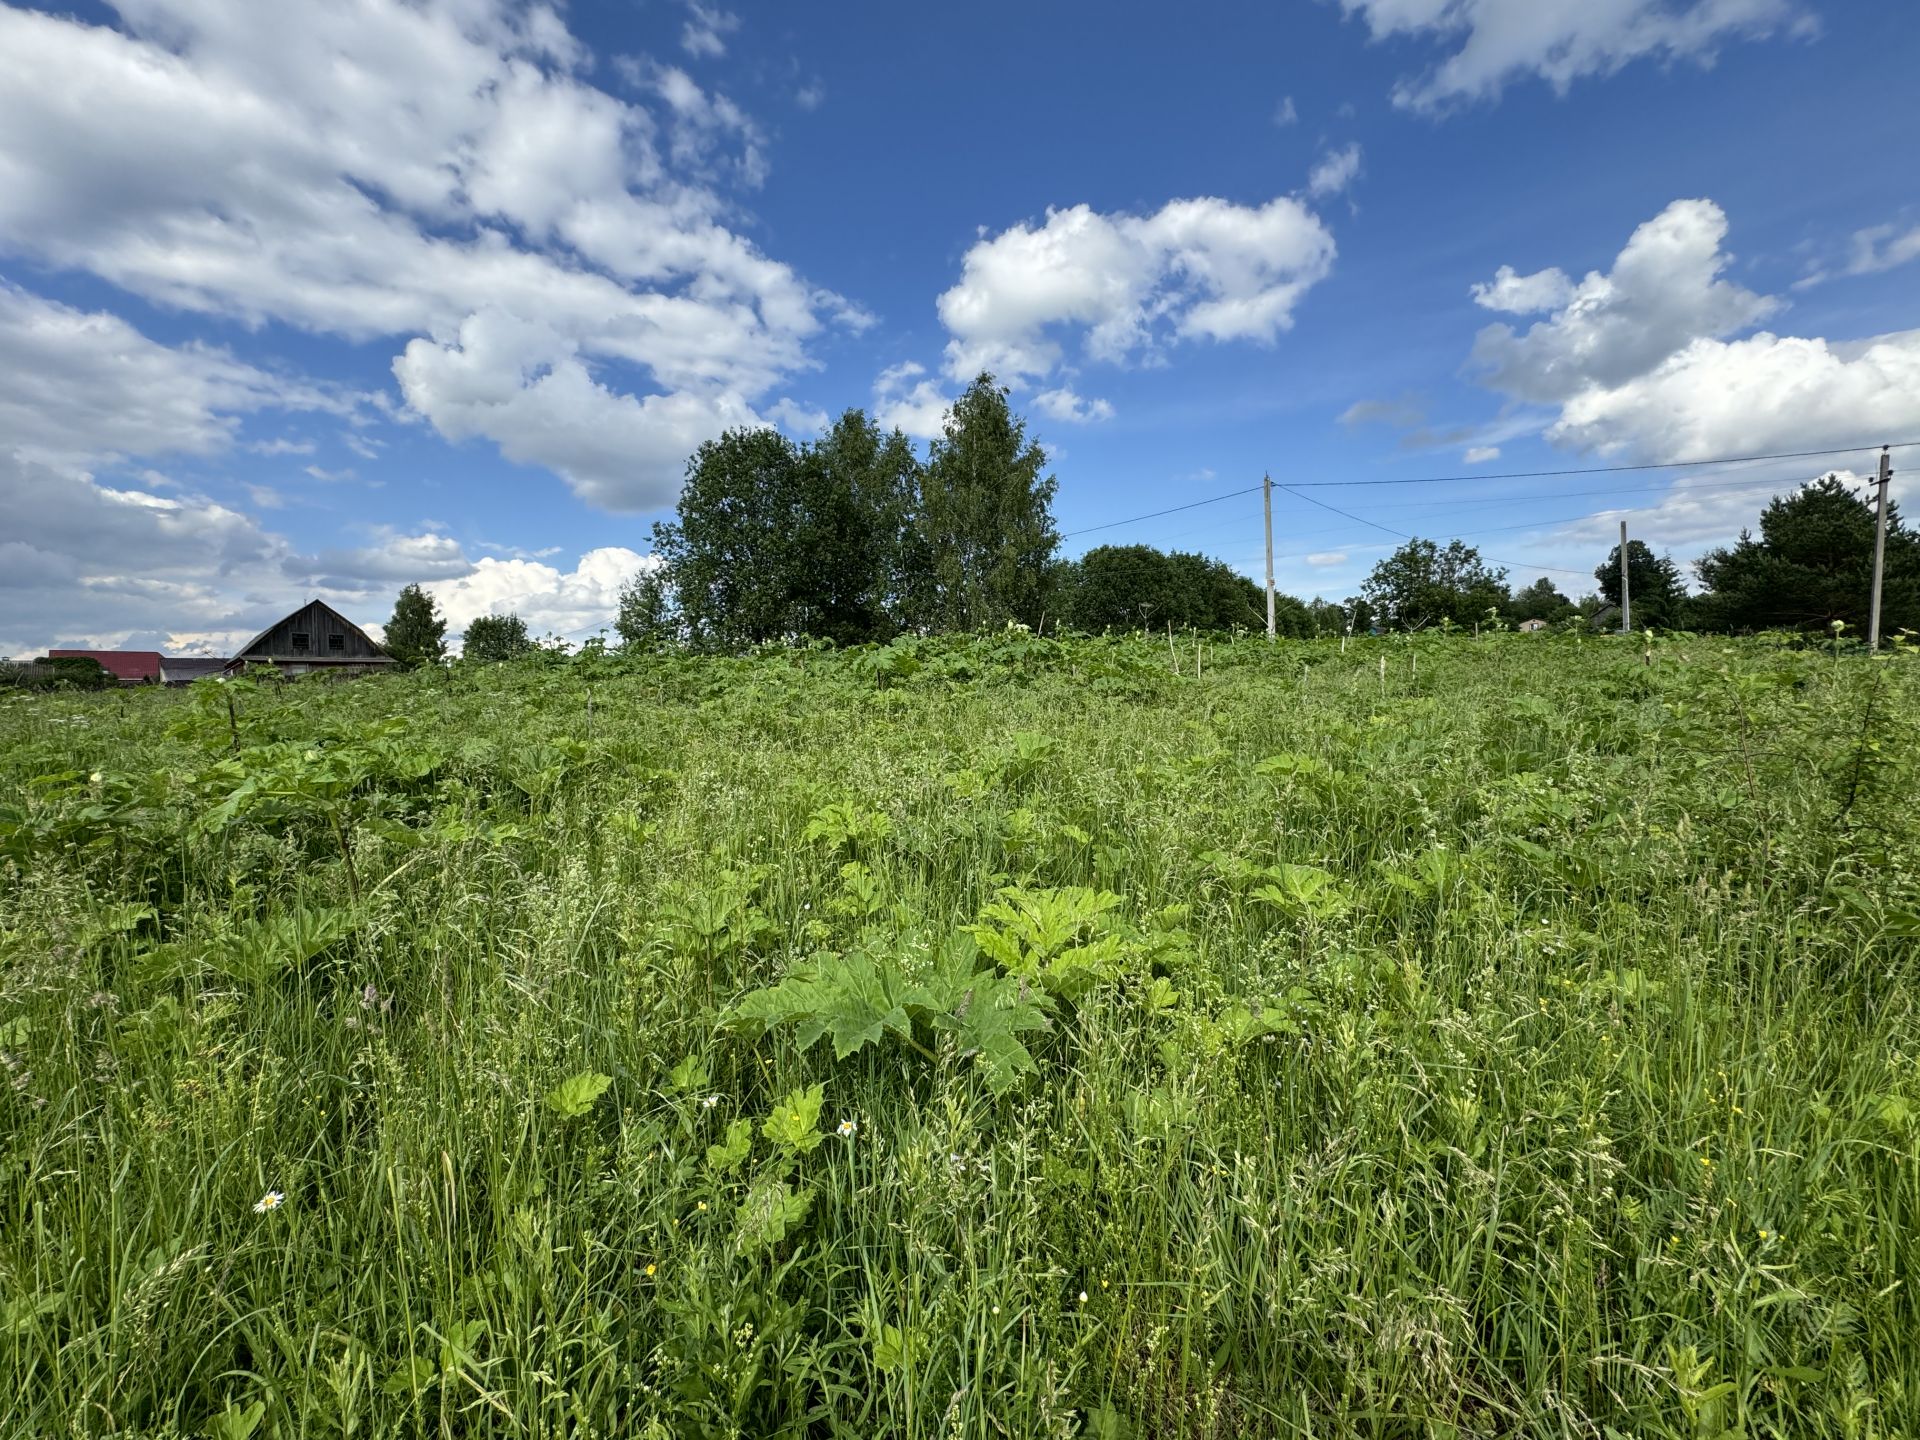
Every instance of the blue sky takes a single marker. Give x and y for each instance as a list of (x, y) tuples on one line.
[(319, 298)]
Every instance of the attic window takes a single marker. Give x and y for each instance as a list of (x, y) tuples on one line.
[(337, 643), (300, 638)]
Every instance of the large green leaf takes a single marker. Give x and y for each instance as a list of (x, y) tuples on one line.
[(574, 1096)]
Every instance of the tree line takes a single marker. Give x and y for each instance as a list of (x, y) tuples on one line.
[(853, 538), (1809, 566)]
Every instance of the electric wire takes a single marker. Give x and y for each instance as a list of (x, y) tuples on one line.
[(1294, 487)]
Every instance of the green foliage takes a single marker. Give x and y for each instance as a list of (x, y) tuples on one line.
[(1423, 583), (417, 633), (57, 672), (1654, 587), (574, 1096), (859, 999), (772, 1208), (645, 620), (1542, 601), (1123, 587), (1058, 938), (794, 1124), (1811, 564), (774, 540), (985, 520), (493, 638), (1518, 1042), (847, 825)]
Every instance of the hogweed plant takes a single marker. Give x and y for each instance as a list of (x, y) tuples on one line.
[(970, 1038)]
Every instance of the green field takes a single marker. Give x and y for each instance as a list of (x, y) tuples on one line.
[(1517, 1037)]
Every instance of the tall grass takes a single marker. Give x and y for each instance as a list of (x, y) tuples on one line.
[(1525, 1048)]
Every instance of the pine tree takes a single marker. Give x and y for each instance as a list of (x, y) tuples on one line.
[(417, 633)]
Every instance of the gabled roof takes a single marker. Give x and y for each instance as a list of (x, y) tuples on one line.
[(254, 644), (121, 664), (181, 666)]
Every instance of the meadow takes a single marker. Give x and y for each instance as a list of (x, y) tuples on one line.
[(1009, 1037)]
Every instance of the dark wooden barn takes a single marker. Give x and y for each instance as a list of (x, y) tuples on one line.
[(315, 639)]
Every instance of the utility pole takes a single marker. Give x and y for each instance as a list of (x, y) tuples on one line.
[(1266, 494), (1626, 600), (1879, 548)]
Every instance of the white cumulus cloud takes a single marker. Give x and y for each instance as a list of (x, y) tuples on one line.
[(1061, 403), (1649, 359), (549, 599), (1129, 284), (1665, 289), (905, 399), (390, 170)]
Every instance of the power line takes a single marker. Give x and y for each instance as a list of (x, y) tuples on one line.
[(1156, 514), (1606, 469), (1490, 559), (1297, 486)]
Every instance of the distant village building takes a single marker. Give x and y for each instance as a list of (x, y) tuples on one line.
[(315, 639), (185, 669), (129, 667)]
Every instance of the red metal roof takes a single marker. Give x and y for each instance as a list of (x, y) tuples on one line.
[(124, 665)]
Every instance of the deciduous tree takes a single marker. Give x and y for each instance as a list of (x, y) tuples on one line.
[(417, 633), (496, 637), (985, 518), (1423, 583)]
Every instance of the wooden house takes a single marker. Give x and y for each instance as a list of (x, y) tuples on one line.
[(315, 639)]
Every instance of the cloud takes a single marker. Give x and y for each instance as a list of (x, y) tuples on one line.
[(550, 600), (704, 34), (1696, 515), (1561, 41), (392, 170), (1336, 170), (905, 400), (393, 560), (1407, 411), (704, 127), (115, 566), (810, 96), (1518, 294), (1286, 112), (1664, 290), (796, 419), (1763, 393), (525, 387), (93, 564), (1195, 269), (1872, 250), (1321, 559), (85, 385), (1480, 454), (1063, 404), (1639, 362)]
